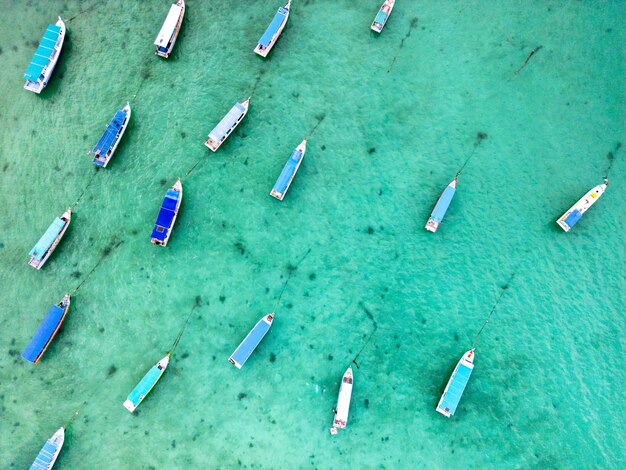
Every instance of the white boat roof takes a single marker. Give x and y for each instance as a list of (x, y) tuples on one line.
[(168, 26)]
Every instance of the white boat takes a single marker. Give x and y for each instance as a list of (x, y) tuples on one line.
[(49, 452), (273, 31), (169, 31), (456, 385), (46, 56), (50, 239), (227, 125), (573, 215), (343, 402), (382, 16)]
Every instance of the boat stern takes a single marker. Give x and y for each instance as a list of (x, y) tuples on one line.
[(432, 225), (130, 406), (212, 144)]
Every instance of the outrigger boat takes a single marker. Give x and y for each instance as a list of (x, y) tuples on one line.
[(46, 56), (169, 31), (441, 207), (382, 16), (456, 385), (573, 215), (273, 31), (47, 331), (146, 384), (343, 402), (105, 148), (49, 452), (167, 214), (49, 241), (251, 341), (289, 171), (228, 123)]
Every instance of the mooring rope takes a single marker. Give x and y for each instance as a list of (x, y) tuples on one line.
[(493, 309)]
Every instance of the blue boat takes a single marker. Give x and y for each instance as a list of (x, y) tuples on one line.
[(49, 452), (45, 58), (47, 331), (289, 171), (105, 148), (273, 31), (50, 240), (146, 384), (441, 207), (227, 125), (382, 16), (250, 342), (456, 385), (167, 214)]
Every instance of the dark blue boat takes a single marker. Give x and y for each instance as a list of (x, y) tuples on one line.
[(47, 331), (167, 215), (105, 148)]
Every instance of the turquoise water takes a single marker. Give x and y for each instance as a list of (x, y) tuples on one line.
[(547, 389)]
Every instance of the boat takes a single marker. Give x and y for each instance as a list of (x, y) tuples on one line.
[(273, 31), (49, 452), (343, 402), (49, 241), (456, 385), (251, 341), (166, 39), (146, 384), (45, 58), (47, 331), (441, 207), (105, 148), (382, 16), (573, 215), (167, 214), (228, 123), (289, 171)]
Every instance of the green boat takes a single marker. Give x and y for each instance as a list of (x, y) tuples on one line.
[(147, 384)]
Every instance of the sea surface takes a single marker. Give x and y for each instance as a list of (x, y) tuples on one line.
[(390, 118)]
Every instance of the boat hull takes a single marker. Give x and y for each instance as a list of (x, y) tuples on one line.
[(575, 213), (456, 385), (245, 349), (289, 171), (38, 264), (263, 51), (40, 84), (147, 383), (343, 402), (168, 50), (103, 161)]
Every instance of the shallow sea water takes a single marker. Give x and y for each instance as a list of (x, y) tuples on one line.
[(547, 388)]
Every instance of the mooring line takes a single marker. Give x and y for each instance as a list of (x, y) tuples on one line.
[(291, 271), (611, 157), (528, 59), (412, 26), (182, 330)]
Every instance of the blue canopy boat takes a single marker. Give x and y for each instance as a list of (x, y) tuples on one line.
[(105, 148), (49, 241), (441, 207), (289, 171), (45, 58), (456, 385), (146, 384), (382, 16), (250, 342), (49, 452), (574, 214), (169, 31), (228, 123), (273, 31), (167, 214), (47, 331)]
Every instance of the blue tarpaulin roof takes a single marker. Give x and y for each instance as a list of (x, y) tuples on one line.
[(249, 344), (44, 243), (442, 205), (43, 53), (381, 17), (273, 28), (574, 217), (285, 176), (456, 388), (43, 334), (45, 456), (225, 125), (108, 138), (166, 215), (144, 386)]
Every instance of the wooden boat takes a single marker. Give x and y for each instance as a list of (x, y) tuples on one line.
[(49, 452), (456, 385), (105, 148), (382, 16), (343, 402), (49, 241), (169, 31), (289, 171), (251, 341), (47, 331), (167, 214), (574, 214), (273, 31), (441, 207), (46, 56), (227, 125), (146, 384)]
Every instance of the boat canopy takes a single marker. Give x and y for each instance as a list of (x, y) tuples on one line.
[(46, 241), (444, 202), (381, 17), (221, 131), (167, 30), (43, 53), (274, 26), (44, 333), (108, 138), (45, 457), (574, 217), (166, 215), (456, 388), (290, 167), (145, 385), (249, 344)]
